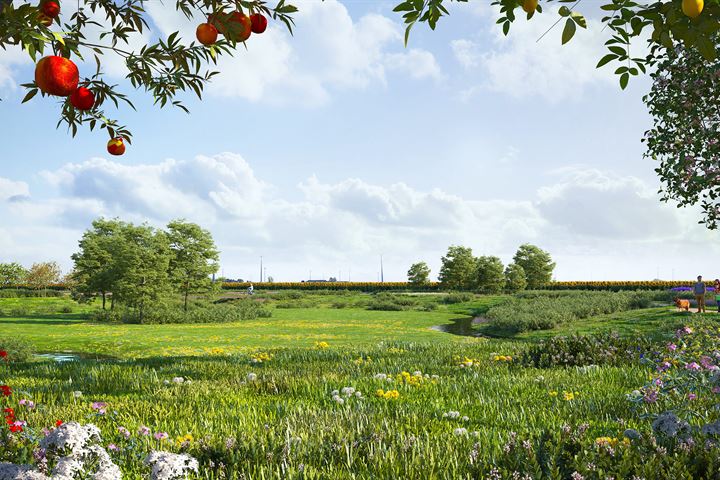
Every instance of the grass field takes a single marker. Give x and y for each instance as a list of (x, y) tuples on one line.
[(278, 418)]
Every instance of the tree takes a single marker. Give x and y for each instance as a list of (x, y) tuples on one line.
[(489, 277), (515, 279), (418, 274), (536, 263), (194, 258), (685, 105), (143, 261), (163, 68), (458, 268), (12, 274), (96, 268), (42, 275)]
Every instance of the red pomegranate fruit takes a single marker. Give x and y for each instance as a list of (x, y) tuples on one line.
[(82, 99), (116, 146), (57, 76), (259, 22)]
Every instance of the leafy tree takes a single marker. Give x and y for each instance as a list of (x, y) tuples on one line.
[(489, 277), (194, 258), (12, 274), (419, 274), (685, 104), (515, 279), (143, 260), (42, 275), (536, 263), (458, 268), (96, 268), (97, 28)]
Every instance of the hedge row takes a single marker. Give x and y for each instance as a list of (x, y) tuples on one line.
[(430, 287)]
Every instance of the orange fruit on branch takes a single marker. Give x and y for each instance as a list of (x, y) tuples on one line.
[(82, 99), (529, 5), (57, 76), (693, 8), (116, 146), (206, 34), (258, 22), (235, 25)]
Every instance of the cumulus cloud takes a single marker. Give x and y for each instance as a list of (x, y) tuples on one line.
[(607, 206), (582, 213), (329, 51), (521, 66)]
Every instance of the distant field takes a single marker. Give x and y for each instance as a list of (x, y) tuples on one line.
[(288, 327)]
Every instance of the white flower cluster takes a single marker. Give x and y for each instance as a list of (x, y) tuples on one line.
[(383, 377), (170, 466), (346, 392), (76, 453), (251, 377), (177, 381), (454, 415)]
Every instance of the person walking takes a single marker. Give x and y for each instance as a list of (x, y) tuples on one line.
[(250, 289), (717, 293), (699, 289)]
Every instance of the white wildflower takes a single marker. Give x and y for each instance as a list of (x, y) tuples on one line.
[(251, 377), (170, 466), (347, 391), (380, 376), (465, 418), (77, 394), (178, 380), (338, 399), (358, 394), (460, 431)]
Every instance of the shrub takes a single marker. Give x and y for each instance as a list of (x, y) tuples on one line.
[(28, 292), (17, 350), (236, 311), (390, 302), (580, 350), (458, 297), (545, 310)]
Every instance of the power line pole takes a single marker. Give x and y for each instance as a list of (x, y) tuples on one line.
[(261, 269)]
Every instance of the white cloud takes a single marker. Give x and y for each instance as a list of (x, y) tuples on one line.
[(10, 190), (328, 52), (521, 66), (582, 214)]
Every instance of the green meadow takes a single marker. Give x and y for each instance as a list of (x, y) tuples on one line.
[(264, 398)]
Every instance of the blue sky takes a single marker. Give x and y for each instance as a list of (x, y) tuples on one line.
[(323, 150)]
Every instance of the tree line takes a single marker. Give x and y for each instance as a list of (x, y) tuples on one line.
[(531, 267), (39, 276), (138, 265)]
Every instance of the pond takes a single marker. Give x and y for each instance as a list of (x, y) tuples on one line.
[(58, 357), (462, 326)]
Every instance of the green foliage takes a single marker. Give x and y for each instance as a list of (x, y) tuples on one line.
[(165, 313), (26, 292), (418, 274), (515, 278), (489, 277), (543, 311), (685, 105), (164, 68), (12, 274), (457, 297), (458, 269), (584, 350), (17, 350), (194, 258), (536, 263), (392, 303)]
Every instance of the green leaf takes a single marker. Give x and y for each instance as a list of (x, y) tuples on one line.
[(624, 79), (568, 31), (564, 11), (30, 95), (606, 59)]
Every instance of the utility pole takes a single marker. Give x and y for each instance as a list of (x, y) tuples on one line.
[(382, 273), (261, 269)]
